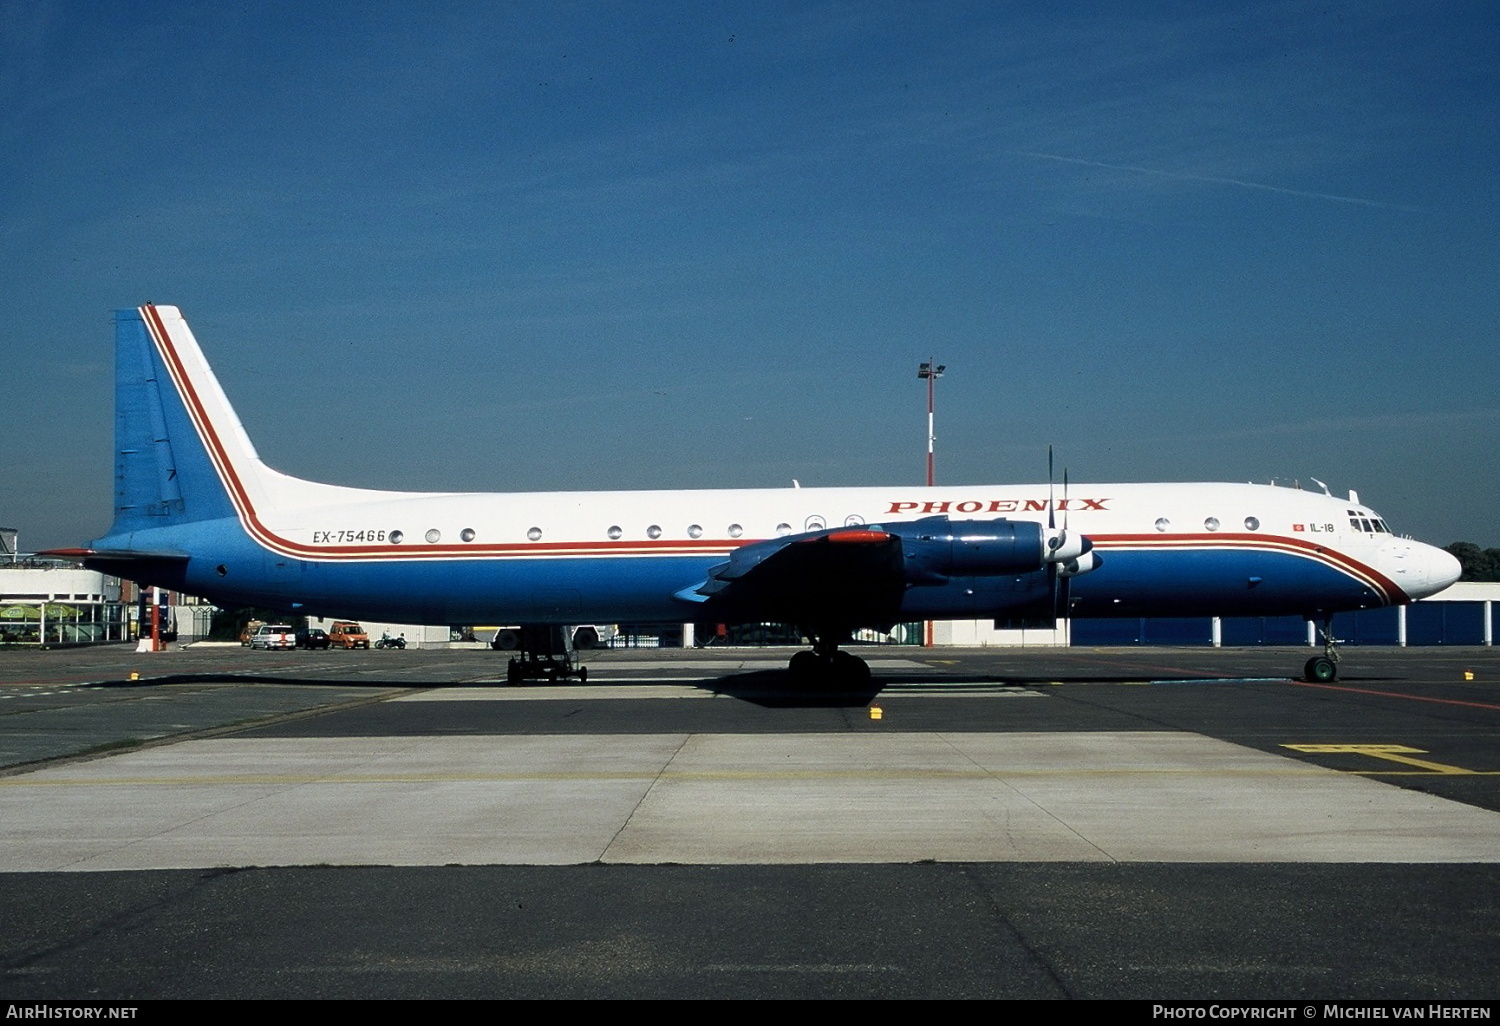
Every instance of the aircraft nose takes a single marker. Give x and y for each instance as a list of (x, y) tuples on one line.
[(1419, 569), (1443, 568)]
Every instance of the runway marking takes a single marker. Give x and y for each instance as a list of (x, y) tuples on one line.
[(1224, 680), (1391, 753), (797, 967), (1165, 681), (1396, 694)]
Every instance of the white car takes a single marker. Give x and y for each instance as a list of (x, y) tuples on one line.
[(274, 635)]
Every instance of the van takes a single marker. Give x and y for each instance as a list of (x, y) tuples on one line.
[(347, 634)]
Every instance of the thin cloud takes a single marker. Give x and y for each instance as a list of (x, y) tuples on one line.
[(1214, 179)]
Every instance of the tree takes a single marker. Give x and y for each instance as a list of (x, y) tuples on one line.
[(1478, 564)]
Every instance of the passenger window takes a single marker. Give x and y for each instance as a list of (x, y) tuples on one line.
[(815, 523)]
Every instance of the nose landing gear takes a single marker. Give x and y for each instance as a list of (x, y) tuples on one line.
[(1324, 668)]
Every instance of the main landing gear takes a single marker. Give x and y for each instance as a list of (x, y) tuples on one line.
[(826, 666), (1324, 668), (544, 652)]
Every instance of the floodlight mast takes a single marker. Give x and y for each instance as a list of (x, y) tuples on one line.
[(931, 371)]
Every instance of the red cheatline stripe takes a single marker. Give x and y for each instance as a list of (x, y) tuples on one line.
[(1396, 694), (1376, 580)]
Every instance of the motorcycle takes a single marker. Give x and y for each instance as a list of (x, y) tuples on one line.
[(386, 641)]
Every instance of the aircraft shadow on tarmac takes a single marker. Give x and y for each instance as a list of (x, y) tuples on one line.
[(258, 678), (767, 688), (774, 688)]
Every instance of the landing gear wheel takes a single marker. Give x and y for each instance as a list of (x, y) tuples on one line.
[(1320, 670), (804, 668), (850, 671)]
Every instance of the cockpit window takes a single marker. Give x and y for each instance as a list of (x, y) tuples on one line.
[(1366, 523)]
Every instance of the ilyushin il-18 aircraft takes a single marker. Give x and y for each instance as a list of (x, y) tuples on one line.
[(196, 510)]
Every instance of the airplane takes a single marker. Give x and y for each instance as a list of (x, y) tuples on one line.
[(197, 511)]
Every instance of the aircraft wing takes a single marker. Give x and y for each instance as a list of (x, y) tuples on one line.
[(856, 571)]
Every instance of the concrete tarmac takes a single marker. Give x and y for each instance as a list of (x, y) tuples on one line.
[(1129, 823)]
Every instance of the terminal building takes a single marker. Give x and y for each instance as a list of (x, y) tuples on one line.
[(46, 602)]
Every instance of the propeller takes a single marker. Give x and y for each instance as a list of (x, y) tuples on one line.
[(1068, 555), (1062, 547)]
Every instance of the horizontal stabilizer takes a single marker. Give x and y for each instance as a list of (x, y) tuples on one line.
[(116, 556)]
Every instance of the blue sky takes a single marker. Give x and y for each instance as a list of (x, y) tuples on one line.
[(621, 245)]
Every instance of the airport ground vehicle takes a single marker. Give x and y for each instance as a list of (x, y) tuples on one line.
[(347, 634), (274, 636), (313, 637)]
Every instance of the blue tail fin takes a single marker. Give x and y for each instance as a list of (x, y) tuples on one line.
[(163, 474)]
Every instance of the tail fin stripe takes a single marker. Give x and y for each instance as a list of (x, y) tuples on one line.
[(238, 494)]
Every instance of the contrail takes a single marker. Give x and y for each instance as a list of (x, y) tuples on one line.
[(1223, 181)]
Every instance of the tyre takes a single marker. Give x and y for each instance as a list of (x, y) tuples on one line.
[(804, 668), (1320, 670), (853, 671)]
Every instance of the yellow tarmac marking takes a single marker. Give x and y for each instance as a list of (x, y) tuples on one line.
[(1391, 753)]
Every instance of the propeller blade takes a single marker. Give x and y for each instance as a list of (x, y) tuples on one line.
[(1065, 501), (1051, 518)]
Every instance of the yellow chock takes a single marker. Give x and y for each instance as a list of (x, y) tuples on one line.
[(134, 675), (876, 712), (1468, 675)]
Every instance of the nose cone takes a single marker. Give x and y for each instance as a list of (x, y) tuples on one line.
[(1419, 569)]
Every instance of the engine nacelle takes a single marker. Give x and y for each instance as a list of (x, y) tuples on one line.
[(1064, 546), (1090, 560), (937, 548)]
